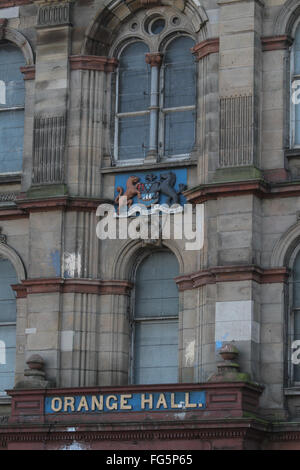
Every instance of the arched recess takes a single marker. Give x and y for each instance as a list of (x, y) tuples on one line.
[(102, 31), (20, 41), (285, 247), (131, 254), (6, 252), (286, 18)]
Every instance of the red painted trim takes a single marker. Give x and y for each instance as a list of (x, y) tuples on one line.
[(277, 175), (260, 189), (204, 48), (28, 72), (60, 285), (60, 203), (276, 43), (93, 62), (232, 274), (13, 214), (14, 3)]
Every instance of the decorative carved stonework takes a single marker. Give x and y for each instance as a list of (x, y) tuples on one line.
[(3, 238), (49, 146), (91, 62), (236, 131), (54, 14), (155, 59)]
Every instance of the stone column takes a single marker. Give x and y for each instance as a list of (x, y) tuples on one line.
[(155, 61)]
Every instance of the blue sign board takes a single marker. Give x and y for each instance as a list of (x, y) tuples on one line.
[(120, 402)]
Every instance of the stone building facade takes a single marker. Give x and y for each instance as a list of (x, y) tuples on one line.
[(213, 102)]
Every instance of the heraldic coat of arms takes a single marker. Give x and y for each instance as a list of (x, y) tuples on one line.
[(150, 190)]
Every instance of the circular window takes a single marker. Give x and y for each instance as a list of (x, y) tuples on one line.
[(134, 26), (175, 20), (156, 26)]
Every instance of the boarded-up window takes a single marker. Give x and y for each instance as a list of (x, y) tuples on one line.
[(7, 325), (12, 95), (155, 352), (133, 103), (179, 97)]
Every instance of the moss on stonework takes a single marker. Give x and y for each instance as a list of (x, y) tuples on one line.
[(45, 191), (226, 175)]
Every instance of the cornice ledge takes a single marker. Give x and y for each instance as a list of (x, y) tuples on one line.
[(217, 274), (93, 62), (204, 48), (55, 203), (66, 286), (276, 43)]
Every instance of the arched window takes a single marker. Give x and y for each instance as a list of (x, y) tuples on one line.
[(156, 96), (7, 325), (12, 96), (155, 322)]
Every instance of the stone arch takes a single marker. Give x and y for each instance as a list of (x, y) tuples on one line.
[(133, 251), (102, 31), (20, 41), (9, 253), (286, 18), (285, 247)]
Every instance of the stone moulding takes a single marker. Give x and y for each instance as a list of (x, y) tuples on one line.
[(259, 188), (232, 274), (14, 3), (28, 72), (276, 43), (204, 48), (67, 286), (93, 62)]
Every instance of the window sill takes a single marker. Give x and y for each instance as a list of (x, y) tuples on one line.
[(149, 166), (5, 400), (292, 391), (292, 153), (9, 178)]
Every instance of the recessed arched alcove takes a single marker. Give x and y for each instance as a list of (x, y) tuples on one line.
[(102, 32)]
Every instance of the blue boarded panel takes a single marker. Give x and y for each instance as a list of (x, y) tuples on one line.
[(156, 291), (179, 132), (156, 341), (133, 137), (179, 74), (7, 332), (12, 94), (7, 356), (11, 140), (297, 52), (134, 79), (156, 352), (11, 59)]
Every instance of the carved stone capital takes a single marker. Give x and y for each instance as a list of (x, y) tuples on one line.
[(154, 59)]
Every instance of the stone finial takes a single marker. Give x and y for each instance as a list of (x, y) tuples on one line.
[(229, 369), (34, 376)]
